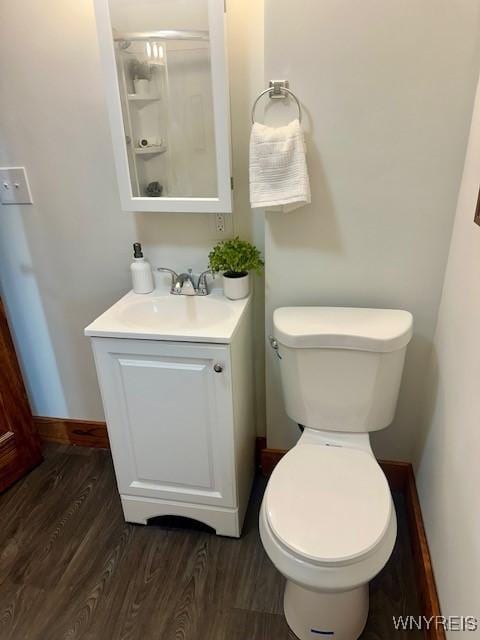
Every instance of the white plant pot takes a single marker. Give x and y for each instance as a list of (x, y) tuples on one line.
[(142, 86), (236, 288)]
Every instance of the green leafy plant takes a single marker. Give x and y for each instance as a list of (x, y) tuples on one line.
[(235, 257)]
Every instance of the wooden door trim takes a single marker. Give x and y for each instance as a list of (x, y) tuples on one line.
[(20, 445), (5, 437)]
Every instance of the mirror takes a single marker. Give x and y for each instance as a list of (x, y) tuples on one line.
[(167, 93)]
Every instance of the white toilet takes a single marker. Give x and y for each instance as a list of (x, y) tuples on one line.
[(327, 520)]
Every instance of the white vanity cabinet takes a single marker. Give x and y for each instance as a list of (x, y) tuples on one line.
[(180, 423)]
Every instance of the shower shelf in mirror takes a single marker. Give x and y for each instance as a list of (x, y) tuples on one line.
[(150, 151), (133, 97)]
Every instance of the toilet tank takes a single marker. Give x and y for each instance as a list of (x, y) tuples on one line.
[(341, 367)]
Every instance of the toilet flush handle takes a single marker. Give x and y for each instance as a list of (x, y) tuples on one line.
[(274, 345)]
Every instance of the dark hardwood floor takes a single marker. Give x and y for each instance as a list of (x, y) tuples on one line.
[(71, 568)]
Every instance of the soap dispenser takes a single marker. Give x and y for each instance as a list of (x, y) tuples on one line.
[(142, 277)]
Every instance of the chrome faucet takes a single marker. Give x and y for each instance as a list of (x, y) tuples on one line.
[(184, 284)]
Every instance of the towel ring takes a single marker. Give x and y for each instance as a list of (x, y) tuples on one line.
[(286, 92)]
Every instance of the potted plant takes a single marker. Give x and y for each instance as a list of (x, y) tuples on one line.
[(235, 258)]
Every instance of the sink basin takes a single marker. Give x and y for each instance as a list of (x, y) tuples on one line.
[(162, 316), (177, 313)]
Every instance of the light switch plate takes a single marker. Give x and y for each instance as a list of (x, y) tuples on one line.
[(14, 187)]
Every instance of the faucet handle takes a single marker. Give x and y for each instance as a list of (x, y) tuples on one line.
[(173, 274), (202, 282)]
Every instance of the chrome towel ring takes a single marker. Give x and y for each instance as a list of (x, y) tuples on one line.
[(277, 89)]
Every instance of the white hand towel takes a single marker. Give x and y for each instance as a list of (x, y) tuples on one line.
[(278, 167)]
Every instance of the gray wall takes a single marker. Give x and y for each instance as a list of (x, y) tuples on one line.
[(447, 470), (387, 90), (65, 259)]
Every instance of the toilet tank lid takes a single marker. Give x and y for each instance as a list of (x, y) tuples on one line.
[(380, 330)]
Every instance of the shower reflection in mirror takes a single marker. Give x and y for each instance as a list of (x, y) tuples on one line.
[(166, 97)]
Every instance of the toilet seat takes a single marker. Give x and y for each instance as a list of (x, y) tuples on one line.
[(352, 568), (328, 505)]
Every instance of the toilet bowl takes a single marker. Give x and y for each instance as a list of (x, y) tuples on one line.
[(327, 519)]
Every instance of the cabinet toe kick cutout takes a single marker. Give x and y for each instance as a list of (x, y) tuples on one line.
[(139, 510)]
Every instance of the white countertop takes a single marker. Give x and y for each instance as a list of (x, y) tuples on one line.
[(162, 316)]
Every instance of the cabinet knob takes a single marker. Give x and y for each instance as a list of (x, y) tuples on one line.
[(217, 368)]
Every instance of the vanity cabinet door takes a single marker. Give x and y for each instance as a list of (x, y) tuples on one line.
[(170, 421)]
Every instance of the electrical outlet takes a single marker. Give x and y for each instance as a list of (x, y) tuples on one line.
[(220, 223), (14, 188)]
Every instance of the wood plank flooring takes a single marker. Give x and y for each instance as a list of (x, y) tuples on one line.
[(71, 568)]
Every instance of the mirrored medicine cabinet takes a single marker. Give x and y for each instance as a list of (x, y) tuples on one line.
[(165, 76)]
